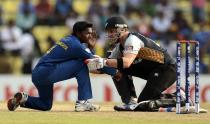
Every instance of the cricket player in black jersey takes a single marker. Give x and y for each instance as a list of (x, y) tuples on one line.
[(139, 56)]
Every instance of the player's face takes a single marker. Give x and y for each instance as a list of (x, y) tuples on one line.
[(112, 34), (89, 36)]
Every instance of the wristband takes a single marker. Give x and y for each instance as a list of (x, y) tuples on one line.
[(120, 63)]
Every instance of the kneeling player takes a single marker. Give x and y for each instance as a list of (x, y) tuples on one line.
[(139, 56), (63, 61)]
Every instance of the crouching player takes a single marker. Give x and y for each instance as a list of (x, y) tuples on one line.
[(63, 61), (139, 56)]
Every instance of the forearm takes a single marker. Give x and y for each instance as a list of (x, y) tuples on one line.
[(113, 63), (99, 63)]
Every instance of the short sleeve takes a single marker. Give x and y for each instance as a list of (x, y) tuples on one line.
[(133, 44)]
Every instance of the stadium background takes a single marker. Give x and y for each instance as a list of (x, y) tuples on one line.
[(38, 27)]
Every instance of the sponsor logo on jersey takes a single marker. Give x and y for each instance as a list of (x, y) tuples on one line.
[(129, 48)]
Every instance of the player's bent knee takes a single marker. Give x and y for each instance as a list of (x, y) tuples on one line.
[(47, 107)]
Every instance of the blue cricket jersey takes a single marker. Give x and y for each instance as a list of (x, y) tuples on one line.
[(66, 49)]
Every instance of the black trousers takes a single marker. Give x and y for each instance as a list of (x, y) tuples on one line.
[(158, 81), (159, 77), (125, 88)]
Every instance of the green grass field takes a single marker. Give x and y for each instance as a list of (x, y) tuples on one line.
[(62, 113)]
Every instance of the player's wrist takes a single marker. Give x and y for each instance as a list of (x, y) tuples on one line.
[(105, 62)]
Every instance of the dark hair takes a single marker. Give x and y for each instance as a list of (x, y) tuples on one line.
[(81, 26)]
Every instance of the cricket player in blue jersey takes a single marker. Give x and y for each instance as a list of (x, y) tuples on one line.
[(63, 61)]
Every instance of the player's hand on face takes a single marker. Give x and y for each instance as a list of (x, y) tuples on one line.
[(92, 40)]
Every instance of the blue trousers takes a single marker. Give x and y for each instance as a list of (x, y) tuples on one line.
[(44, 77)]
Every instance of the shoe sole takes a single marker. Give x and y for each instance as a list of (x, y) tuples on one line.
[(84, 110), (13, 103), (116, 108), (133, 108)]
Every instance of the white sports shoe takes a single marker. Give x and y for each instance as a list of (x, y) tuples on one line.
[(127, 107), (82, 106), (18, 99)]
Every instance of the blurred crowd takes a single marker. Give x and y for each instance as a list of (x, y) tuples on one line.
[(162, 20)]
